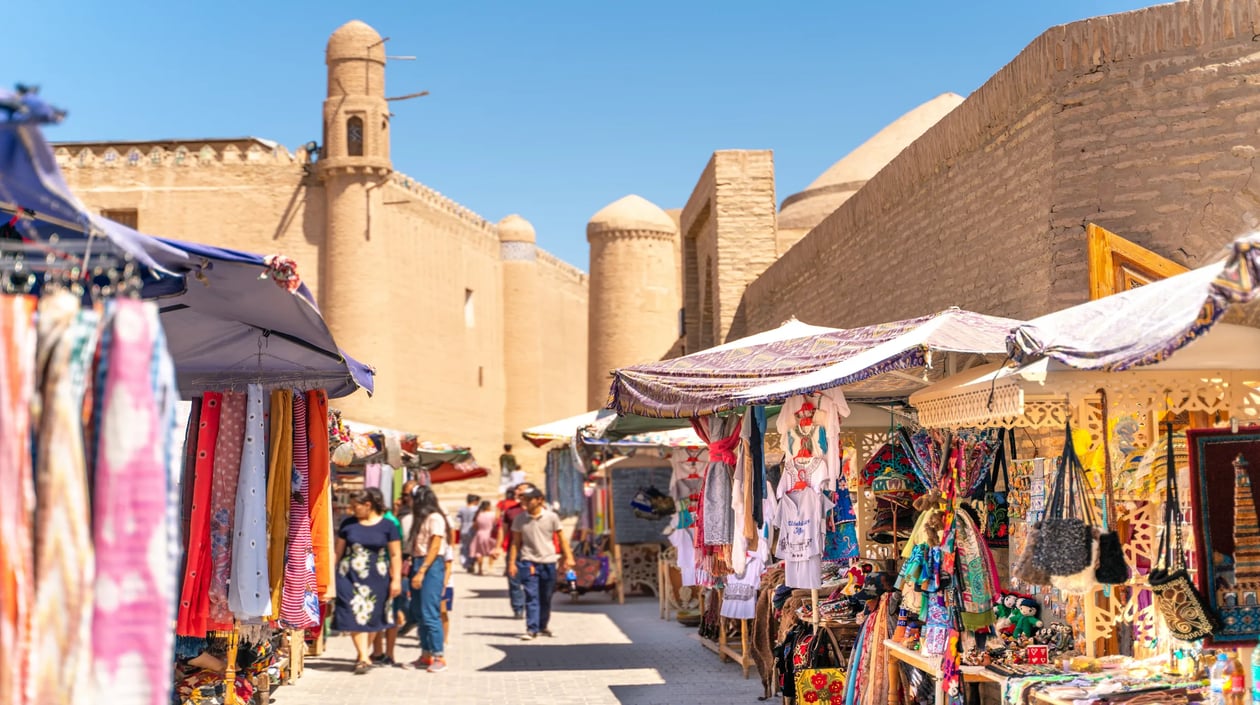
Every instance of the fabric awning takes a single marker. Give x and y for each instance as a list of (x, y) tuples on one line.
[(225, 326), (878, 363), (1222, 357), (1145, 325), (564, 429)]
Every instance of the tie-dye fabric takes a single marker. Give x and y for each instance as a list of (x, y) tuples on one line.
[(17, 496), (61, 652), (132, 653)]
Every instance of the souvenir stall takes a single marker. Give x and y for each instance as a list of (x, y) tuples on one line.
[(1161, 398), (367, 456), (96, 371), (835, 568)]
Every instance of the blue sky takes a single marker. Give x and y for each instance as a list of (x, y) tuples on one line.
[(547, 109)]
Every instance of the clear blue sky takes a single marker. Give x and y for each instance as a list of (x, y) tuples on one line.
[(547, 109)]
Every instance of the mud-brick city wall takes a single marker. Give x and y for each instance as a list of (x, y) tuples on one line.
[(1146, 123)]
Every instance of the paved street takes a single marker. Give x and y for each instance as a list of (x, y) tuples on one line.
[(602, 653)]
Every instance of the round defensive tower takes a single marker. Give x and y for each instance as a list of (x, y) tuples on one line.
[(353, 163), (522, 328), (634, 300)]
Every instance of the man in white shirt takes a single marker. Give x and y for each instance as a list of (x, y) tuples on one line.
[(532, 559)]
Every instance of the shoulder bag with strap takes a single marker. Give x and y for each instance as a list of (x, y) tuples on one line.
[(822, 679), (1188, 615), (997, 528), (1112, 569), (1065, 546)]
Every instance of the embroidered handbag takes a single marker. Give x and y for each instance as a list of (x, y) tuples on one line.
[(1065, 543), (1185, 611), (997, 529), (821, 672), (1112, 569)]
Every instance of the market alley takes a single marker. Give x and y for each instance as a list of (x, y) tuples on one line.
[(602, 653)]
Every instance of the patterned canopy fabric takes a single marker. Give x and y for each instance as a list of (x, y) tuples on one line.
[(858, 359), (1143, 326)]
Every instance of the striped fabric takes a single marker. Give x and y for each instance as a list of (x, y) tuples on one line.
[(64, 560), (299, 605), (17, 496)]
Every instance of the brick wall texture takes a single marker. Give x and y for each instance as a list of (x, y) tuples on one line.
[(1145, 122), (437, 376)]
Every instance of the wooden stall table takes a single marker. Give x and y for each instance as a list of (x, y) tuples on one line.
[(931, 665)]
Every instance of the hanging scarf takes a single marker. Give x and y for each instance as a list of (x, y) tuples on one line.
[(61, 653), (17, 495), (279, 491), (194, 601), (979, 584), (714, 517), (249, 593), (299, 606), (132, 651), (166, 398), (321, 495), (227, 472)]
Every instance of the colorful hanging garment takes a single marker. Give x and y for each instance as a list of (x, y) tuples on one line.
[(715, 520), (61, 654), (166, 396), (299, 606), (17, 496), (227, 472), (249, 593), (132, 651), (194, 600), (279, 491), (321, 494)]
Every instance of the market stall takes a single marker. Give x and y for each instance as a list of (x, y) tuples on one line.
[(235, 333)]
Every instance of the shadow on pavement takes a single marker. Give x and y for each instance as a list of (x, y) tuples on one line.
[(538, 656)]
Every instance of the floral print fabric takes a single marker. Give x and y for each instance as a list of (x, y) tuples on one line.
[(363, 576)]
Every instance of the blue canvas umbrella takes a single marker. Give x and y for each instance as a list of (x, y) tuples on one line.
[(226, 322)]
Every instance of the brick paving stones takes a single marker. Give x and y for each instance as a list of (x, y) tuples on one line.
[(602, 654)]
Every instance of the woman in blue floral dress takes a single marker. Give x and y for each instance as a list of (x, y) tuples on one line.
[(369, 570)]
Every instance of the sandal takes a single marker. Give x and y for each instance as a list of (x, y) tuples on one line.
[(362, 667)]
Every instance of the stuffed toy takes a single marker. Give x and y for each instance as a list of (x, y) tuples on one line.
[(1026, 621), (1006, 610)]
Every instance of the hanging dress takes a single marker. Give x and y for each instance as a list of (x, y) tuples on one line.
[(194, 601), (249, 593), (17, 496), (61, 652), (132, 651), (299, 605), (227, 472), (321, 493)]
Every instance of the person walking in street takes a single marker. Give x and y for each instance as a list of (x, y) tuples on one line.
[(483, 546), (429, 543), (532, 559), (508, 509), (464, 518), (369, 570)]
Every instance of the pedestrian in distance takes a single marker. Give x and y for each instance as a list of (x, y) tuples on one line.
[(464, 519), (532, 559)]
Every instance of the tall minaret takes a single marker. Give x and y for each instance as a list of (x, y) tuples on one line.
[(354, 162), (522, 328), (634, 305)]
